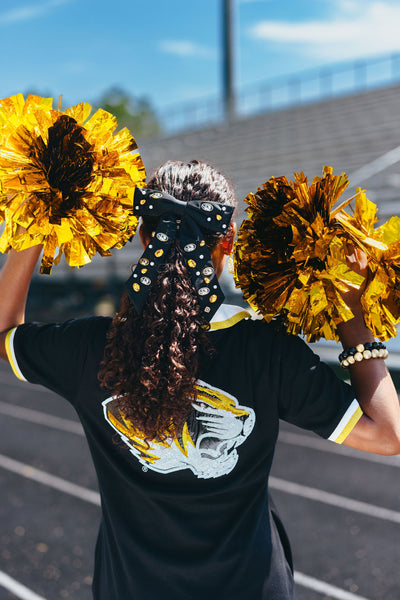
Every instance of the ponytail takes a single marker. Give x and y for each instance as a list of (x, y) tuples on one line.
[(151, 360)]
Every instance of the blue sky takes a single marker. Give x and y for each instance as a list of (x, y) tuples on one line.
[(169, 50)]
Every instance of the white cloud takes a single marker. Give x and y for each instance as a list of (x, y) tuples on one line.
[(187, 48), (357, 29), (29, 12), (348, 5)]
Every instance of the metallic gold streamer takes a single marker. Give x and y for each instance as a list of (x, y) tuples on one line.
[(66, 180), (290, 256)]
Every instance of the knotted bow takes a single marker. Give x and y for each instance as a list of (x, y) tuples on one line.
[(186, 221)]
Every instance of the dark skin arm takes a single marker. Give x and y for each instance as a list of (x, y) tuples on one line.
[(15, 278), (378, 430)]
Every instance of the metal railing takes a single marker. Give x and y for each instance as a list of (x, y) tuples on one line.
[(312, 85)]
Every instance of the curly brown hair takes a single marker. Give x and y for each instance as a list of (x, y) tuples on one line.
[(151, 360)]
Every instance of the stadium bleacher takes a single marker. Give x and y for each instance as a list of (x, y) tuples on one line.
[(346, 133)]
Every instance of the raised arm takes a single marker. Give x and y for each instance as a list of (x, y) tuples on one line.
[(15, 278), (378, 430)]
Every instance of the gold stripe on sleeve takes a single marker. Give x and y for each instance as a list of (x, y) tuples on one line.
[(350, 425), (11, 354)]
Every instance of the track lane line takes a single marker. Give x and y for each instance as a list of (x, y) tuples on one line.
[(324, 588), (371, 510), (40, 418), (16, 588), (62, 485)]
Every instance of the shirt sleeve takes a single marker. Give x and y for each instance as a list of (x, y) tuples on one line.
[(53, 355), (311, 396)]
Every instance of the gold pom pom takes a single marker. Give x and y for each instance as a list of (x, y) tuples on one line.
[(289, 257), (66, 181)]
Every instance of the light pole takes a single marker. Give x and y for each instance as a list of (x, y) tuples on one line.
[(227, 61)]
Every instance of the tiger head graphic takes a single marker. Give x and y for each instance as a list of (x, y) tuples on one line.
[(207, 444)]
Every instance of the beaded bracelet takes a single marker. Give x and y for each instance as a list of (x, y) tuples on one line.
[(361, 352)]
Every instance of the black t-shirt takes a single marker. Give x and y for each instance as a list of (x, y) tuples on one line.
[(190, 518)]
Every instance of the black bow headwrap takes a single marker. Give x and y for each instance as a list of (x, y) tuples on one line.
[(187, 221)]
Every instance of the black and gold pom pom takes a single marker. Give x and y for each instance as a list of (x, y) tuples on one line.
[(67, 180), (290, 257)]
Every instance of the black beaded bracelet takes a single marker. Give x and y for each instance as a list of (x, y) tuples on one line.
[(362, 351)]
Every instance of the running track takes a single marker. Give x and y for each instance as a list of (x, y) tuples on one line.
[(341, 507)]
